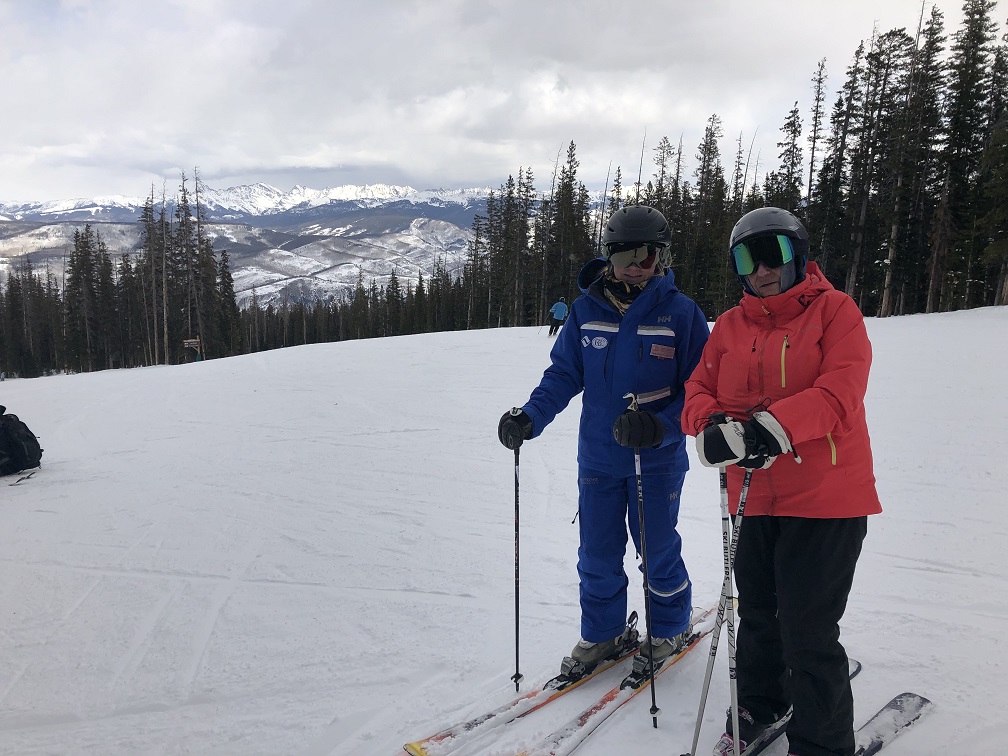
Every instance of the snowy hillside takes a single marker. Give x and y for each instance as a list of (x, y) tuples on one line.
[(311, 551)]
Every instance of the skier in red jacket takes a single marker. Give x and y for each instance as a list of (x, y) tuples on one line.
[(788, 367)]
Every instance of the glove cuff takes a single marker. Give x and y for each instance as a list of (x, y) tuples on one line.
[(721, 445), (774, 429)]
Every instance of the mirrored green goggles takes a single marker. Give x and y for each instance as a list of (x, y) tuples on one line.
[(625, 254), (773, 251)]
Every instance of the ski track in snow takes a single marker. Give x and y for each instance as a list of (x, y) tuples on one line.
[(311, 551)]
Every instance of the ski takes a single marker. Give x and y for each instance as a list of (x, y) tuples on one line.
[(452, 738), (572, 734), (901, 712), (770, 735)]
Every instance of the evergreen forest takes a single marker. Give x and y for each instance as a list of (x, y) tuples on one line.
[(901, 180)]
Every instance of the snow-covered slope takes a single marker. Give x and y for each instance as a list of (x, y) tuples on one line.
[(311, 551)]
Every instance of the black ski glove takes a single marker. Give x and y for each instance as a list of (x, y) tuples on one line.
[(514, 427), (639, 429)]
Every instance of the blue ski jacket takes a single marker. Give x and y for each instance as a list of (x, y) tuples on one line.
[(650, 351), (559, 311)]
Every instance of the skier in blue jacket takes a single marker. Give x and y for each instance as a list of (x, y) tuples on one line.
[(559, 313), (633, 331)]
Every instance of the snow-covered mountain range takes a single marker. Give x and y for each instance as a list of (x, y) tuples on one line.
[(240, 202), (304, 243)]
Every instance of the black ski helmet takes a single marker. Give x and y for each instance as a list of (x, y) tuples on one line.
[(638, 223), (765, 221)]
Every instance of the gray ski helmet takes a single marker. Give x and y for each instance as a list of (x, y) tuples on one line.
[(764, 221), (638, 223)]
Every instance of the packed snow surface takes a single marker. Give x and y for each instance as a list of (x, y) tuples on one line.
[(311, 551)]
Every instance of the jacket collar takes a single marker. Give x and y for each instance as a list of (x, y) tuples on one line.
[(659, 285), (791, 303)]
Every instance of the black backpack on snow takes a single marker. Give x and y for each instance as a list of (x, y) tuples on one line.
[(19, 449)]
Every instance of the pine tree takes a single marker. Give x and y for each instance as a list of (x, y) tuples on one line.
[(815, 133), (885, 69), (827, 213), (954, 256), (703, 272), (738, 180), (615, 199), (783, 188), (80, 300), (108, 353), (228, 317), (994, 224), (919, 136)]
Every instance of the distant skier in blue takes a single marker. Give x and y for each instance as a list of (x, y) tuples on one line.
[(559, 313), (631, 330)]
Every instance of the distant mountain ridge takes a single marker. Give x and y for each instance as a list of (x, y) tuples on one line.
[(240, 202), (301, 244)]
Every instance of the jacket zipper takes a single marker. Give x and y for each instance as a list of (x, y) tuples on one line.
[(783, 351), (770, 481), (832, 446), (759, 361)]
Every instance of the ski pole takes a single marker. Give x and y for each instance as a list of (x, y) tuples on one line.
[(517, 676), (730, 611), (647, 590), (726, 604)]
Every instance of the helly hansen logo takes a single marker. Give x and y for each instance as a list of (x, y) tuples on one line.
[(665, 319)]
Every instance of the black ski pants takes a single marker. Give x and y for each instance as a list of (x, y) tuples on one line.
[(794, 576)]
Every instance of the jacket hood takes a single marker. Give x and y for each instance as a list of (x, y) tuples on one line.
[(594, 269), (591, 273)]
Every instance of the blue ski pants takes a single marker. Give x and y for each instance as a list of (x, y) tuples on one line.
[(607, 505)]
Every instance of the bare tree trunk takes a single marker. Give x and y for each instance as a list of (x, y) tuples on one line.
[(148, 345), (887, 295), (164, 276), (887, 299), (868, 178), (199, 252), (852, 274), (544, 244), (1001, 295), (941, 241)]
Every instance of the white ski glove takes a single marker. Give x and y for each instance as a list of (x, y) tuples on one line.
[(754, 443)]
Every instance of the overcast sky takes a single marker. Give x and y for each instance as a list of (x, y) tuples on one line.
[(108, 97)]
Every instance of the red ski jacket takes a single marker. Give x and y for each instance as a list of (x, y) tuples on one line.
[(804, 355)]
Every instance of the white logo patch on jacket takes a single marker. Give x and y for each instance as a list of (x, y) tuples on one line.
[(599, 342)]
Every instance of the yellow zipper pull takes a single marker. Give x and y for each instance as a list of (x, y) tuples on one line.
[(783, 351)]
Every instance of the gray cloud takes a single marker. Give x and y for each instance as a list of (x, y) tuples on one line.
[(109, 96)]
